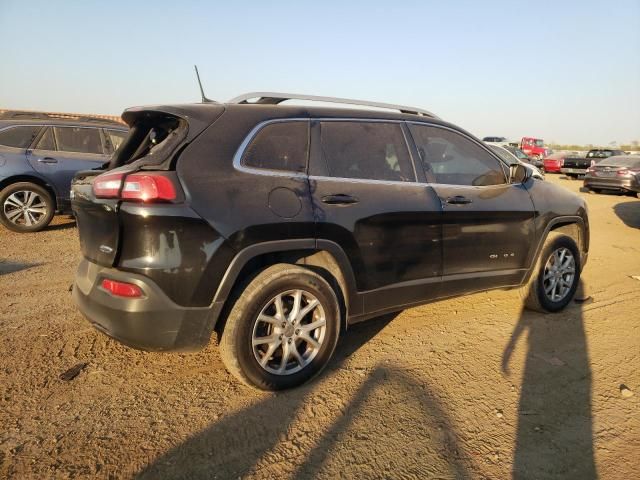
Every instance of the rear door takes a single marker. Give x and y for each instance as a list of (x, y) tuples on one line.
[(488, 226), (367, 199), (62, 151)]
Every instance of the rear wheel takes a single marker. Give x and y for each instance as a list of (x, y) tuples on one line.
[(25, 207), (556, 275), (282, 329)]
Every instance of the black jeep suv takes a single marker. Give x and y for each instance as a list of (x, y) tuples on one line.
[(278, 226)]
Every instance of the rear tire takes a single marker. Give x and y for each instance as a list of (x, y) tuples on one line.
[(264, 343), (26, 207), (555, 277)]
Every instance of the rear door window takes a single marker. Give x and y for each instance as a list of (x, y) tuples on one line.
[(78, 139), (452, 159), (18, 137), (114, 139), (279, 146), (46, 141), (365, 150)]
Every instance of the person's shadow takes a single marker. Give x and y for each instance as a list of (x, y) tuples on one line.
[(554, 436), (392, 425)]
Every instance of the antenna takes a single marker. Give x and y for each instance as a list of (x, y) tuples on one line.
[(204, 99)]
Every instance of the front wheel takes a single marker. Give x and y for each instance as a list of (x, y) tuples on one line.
[(25, 207), (282, 329), (556, 275)]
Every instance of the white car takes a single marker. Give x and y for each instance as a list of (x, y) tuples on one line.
[(510, 159), (501, 141)]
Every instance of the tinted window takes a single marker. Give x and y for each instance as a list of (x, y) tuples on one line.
[(18, 137), (449, 158), (279, 146), (368, 150), (77, 139), (46, 142), (114, 139)]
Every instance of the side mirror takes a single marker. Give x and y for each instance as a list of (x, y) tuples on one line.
[(518, 173)]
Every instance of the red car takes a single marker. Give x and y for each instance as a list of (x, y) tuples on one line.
[(553, 163)]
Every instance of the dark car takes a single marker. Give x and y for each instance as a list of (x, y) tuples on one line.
[(617, 174), (39, 155), (573, 167), (278, 226)]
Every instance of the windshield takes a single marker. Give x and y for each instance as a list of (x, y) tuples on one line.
[(518, 153), (539, 143), (504, 155), (599, 154)]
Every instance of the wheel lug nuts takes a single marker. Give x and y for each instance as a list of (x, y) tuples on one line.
[(297, 331), (289, 341), (280, 337), (284, 324)]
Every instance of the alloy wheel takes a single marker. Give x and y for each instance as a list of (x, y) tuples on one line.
[(25, 208), (289, 332), (559, 274)]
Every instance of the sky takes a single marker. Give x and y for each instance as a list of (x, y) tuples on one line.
[(565, 71)]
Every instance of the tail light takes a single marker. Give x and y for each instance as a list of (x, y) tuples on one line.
[(591, 170), (121, 289), (624, 172), (145, 187)]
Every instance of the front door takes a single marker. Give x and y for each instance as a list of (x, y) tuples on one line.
[(488, 223), (367, 200)]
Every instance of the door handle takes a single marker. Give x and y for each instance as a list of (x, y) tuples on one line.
[(339, 199), (458, 200), (47, 160)]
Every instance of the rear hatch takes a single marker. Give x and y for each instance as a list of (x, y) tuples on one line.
[(156, 138)]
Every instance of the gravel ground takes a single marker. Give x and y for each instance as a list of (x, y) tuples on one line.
[(468, 388)]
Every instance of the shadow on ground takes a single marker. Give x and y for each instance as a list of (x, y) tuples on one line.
[(298, 435), (629, 213), (554, 437), (63, 224), (7, 267)]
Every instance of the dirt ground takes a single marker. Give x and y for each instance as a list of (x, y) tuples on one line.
[(468, 388)]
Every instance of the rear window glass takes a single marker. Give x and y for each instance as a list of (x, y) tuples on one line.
[(78, 139), (621, 162), (279, 146), (18, 137), (367, 150)]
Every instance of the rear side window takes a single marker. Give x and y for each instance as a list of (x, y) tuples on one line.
[(18, 137), (46, 142), (367, 150), (279, 146), (449, 158), (114, 139), (78, 139)]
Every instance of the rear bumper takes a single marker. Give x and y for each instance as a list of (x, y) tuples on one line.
[(153, 322), (573, 171), (620, 184)]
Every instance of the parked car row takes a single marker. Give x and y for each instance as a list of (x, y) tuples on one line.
[(39, 155)]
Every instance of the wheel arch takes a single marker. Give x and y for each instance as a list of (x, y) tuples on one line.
[(572, 226), (32, 179), (322, 256)]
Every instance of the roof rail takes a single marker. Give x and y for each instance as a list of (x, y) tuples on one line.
[(274, 98), (31, 115)]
